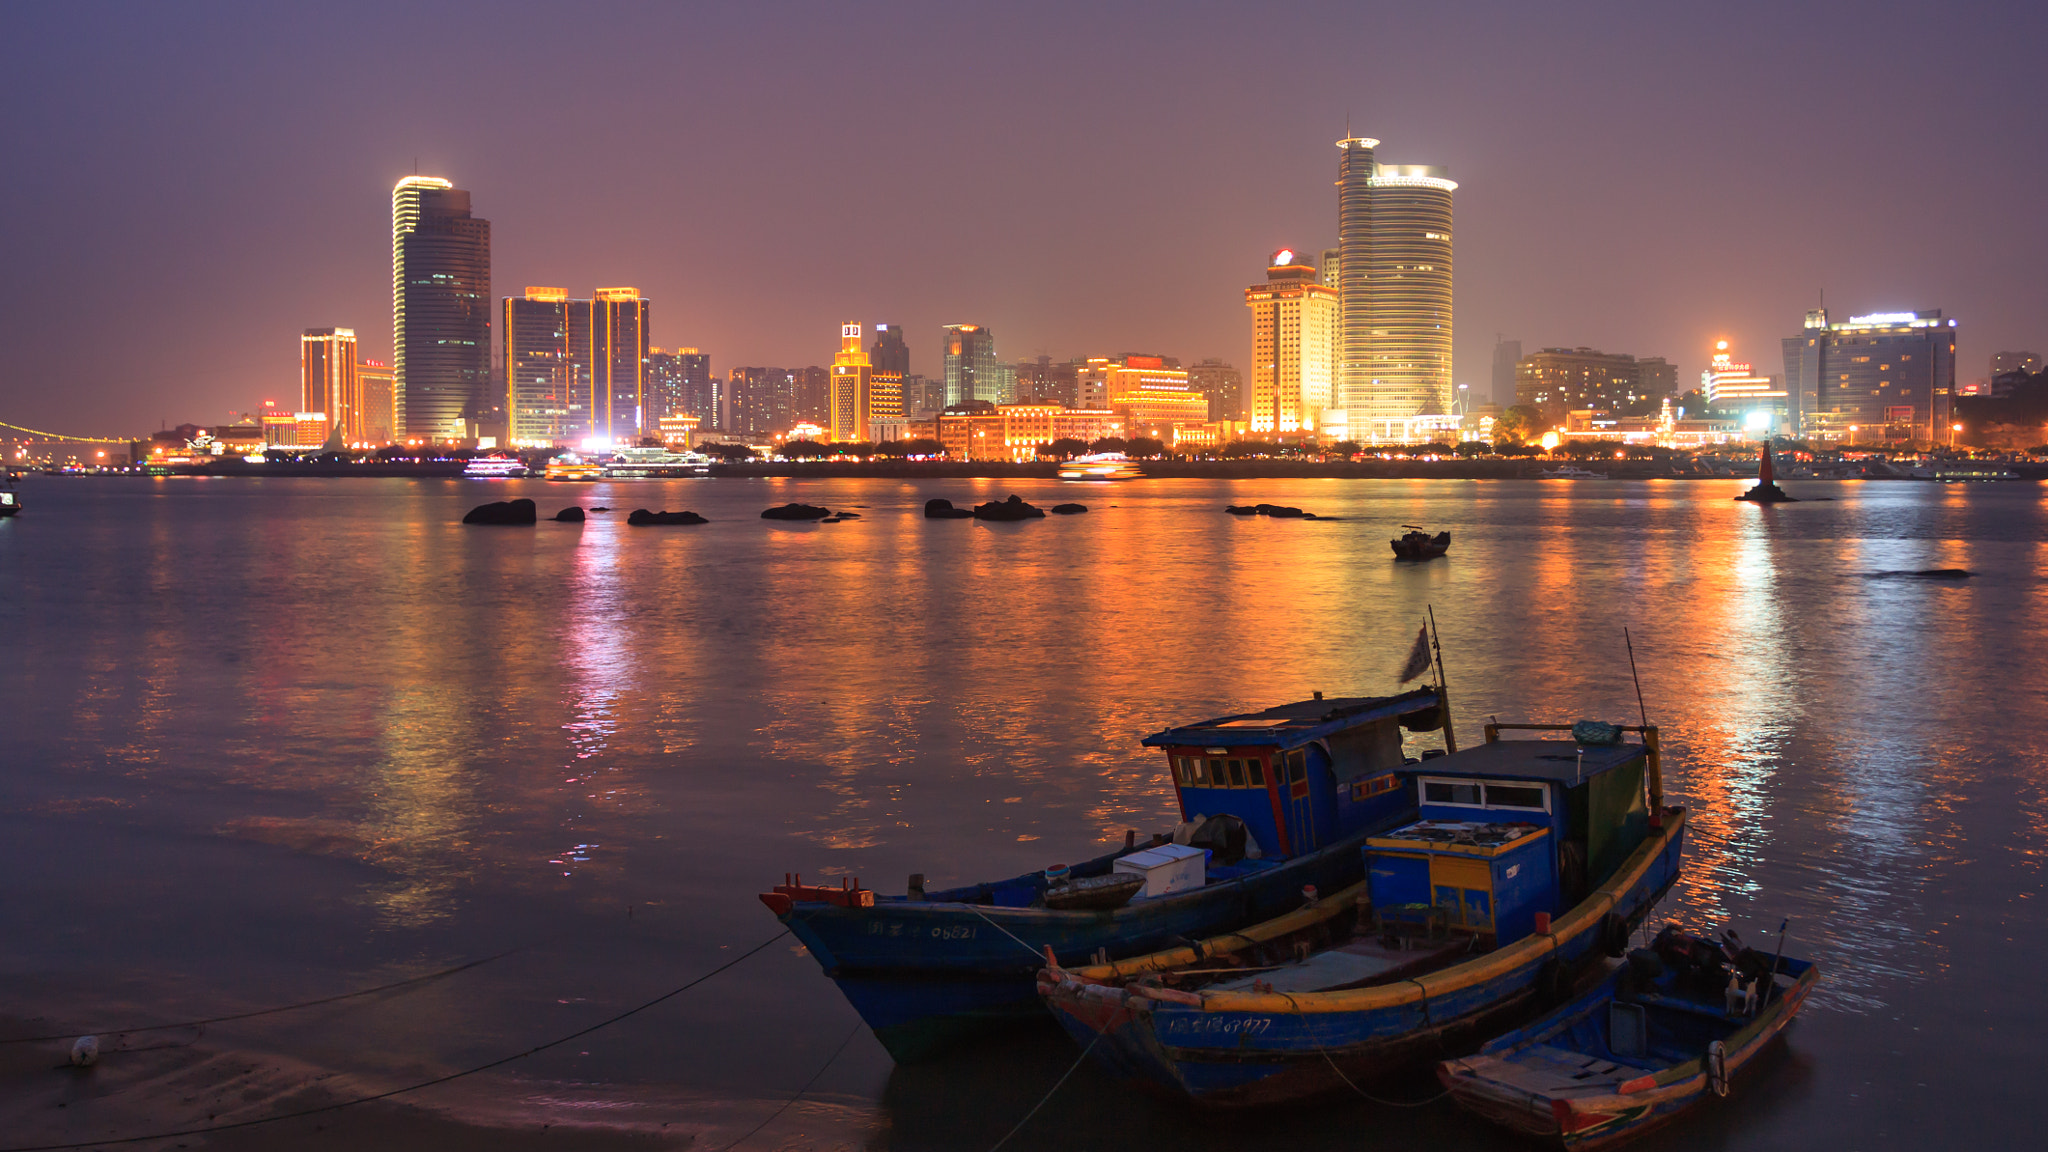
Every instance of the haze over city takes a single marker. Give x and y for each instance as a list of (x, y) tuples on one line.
[(196, 186)]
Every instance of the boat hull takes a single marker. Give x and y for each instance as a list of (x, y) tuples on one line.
[(927, 975), (1242, 1049)]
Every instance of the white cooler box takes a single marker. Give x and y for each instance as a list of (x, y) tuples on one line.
[(1167, 868)]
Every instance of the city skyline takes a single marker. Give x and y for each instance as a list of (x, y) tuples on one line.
[(1637, 253)]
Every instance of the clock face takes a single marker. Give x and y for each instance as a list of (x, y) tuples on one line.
[(850, 330)]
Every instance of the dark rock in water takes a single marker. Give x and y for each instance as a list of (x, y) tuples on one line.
[(570, 515), (1241, 510), (849, 515), (503, 512), (599, 508), (1069, 509), (942, 509), (1280, 510), (796, 512), (1012, 509), (1925, 574), (642, 518)]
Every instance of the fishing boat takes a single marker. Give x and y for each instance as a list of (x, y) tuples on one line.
[(1661, 1035), (1416, 544), (1570, 472), (570, 466), (10, 497), (495, 468), (1100, 466), (1515, 866), (1271, 802)]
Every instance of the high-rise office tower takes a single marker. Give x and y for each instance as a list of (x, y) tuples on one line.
[(379, 417), (1394, 276), (1294, 334), (679, 383), (330, 383), (970, 359), (1223, 384), (618, 363), (890, 353), (1884, 376), (1331, 269), (440, 309), (1505, 353), (544, 407), (810, 396), (758, 401), (852, 379)]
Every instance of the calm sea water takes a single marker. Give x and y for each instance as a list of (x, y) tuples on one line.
[(272, 739)]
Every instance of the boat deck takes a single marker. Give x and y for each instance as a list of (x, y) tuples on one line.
[(1545, 1070), (1357, 964)]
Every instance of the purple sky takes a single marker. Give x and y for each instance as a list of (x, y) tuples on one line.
[(189, 186)]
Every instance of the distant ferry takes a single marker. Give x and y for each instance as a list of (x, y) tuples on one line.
[(655, 463), (1100, 466), (495, 468), (1961, 471), (569, 466), (1570, 472)]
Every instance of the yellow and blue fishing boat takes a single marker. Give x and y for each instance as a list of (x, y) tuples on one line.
[(1517, 865)]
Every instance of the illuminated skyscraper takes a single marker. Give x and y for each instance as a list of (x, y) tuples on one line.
[(330, 384), (618, 364), (890, 353), (970, 358), (544, 407), (852, 377), (679, 383), (378, 415), (1394, 275), (1294, 334), (440, 309), (1884, 376)]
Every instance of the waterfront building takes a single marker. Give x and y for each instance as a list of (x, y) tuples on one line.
[(679, 430), (618, 364), (680, 383), (547, 396), (1560, 380), (811, 396), (852, 381), (1655, 377), (440, 309), (1878, 377), (969, 352), (1294, 338), (1015, 432), (759, 401), (923, 395), (328, 379), (1761, 403), (1041, 379), (1394, 255), (2004, 362), (379, 418), (1505, 355), (1223, 384), (283, 429), (890, 353), (1151, 394)]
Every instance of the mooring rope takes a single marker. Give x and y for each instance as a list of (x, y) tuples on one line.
[(1071, 1069), (1035, 953), (855, 1031), (339, 1105)]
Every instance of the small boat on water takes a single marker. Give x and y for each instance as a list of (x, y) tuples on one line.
[(495, 468), (1570, 472), (10, 496), (1514, 867), (1415, 544), (570, 466), (1100, 466), (1661, 1035), (1271, 802), (655, 464)]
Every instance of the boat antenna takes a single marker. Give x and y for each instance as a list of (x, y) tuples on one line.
[(1443, 692), (1640, 710)]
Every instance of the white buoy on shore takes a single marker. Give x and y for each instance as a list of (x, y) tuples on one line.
[(85, 1051)]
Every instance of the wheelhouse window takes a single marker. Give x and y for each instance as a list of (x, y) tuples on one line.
[(1509, 795)]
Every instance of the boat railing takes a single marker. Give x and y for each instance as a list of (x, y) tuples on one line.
[(1650, 746)]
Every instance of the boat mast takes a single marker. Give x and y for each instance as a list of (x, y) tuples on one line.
[(1443, 692)]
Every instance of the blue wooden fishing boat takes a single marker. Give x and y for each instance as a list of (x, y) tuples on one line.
[(1277, 801), (1517, 864), (1659, 1036)]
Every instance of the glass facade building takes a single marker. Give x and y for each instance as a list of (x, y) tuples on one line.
[(970, 358), (1355, 171), (679, 383), (547, 396), (618, 364), (329, 379), (1887, 376), (1393, 272), (440, 309)]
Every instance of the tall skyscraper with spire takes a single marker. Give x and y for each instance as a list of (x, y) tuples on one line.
[(1394, 272), (440, 310)]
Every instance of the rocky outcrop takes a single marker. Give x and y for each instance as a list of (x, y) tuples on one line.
[(642, 518), (796, 512), (503, 512), (942, 509), (570, 515), (1277, 511), (1069, 509), (1012, 509)]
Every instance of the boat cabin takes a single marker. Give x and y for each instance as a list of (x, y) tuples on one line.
[(1304, 775), (1509, 829)]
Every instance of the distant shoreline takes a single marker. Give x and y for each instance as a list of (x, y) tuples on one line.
[(1047, 470)]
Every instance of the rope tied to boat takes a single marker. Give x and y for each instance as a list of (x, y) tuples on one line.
[(1035, 954), (855, 1031), (1057, 1084)]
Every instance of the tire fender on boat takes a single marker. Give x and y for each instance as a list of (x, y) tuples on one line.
[(1614, 934), (1717, 1068)]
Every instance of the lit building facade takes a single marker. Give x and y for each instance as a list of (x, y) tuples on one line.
[(1879, 377), (380, 419), (328, 379), (618, 364), (1295, 321), (547, 394), (1150, 393), (969, 352), (1223, 384), (1561, 380), (1763, 405), (810, 396), (1394, 256), (890, 353), (440, 309), (680, 383), (852, 382), (1015, 432), (758, 401)]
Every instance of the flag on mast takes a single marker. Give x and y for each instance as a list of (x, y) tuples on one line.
[(1418, 656)]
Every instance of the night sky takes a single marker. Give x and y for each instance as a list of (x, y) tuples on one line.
[(189, 186)]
